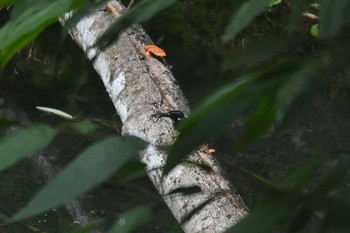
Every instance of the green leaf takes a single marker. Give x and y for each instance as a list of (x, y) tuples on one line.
[(261, 120), (94, 165), (228, 102), (131, 219), (131, 171), (310, 76), (295, 17), (83, 127), (141, 12), (28, 19), (18, 145), (314, 31), (337, 173), (338, 215), (333, 17), (4, 3), (244, 16), (210, 117), (295, 90), (274, 2), (268, 217), (84, 10), (259, 51), (4, 122), (300, 175), (315, 5), (90, 226)]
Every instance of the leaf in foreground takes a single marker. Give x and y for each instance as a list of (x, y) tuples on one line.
[(268, 217), (18, 145), (259, 51), (141, 12), (211, 116), (295, 17), (244, 15), (83, 127), (334, 15), (4, 3), (4, 122), (94, 165), (261, 120), (131, 219), (227, 103), (28, 19), (88, 228)]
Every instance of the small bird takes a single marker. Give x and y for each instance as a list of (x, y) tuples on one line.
[(175, 115)]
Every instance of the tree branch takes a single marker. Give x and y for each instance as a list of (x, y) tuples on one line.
[(200, 198)]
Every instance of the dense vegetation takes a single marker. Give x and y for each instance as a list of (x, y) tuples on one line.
[(272, 89)]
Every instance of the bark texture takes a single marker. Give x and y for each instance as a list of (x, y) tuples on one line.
[(200, 198)]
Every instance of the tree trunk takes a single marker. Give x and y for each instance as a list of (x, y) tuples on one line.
[(201, 200)]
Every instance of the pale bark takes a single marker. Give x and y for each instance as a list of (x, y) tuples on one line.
[(140, 86)]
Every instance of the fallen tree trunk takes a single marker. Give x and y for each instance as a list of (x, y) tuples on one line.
[(201, 199)]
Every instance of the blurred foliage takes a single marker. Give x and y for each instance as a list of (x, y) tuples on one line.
[(131, 219), (262, 60), (30, 141), (28, 19), (142, 11), (84, 173)]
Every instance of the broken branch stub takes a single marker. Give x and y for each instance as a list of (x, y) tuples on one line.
[(199, 197)]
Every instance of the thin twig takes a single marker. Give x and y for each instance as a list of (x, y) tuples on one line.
[(310, 16), (130, 4)]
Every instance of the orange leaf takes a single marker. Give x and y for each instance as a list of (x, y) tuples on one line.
[(211, 150), (155, 50)]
